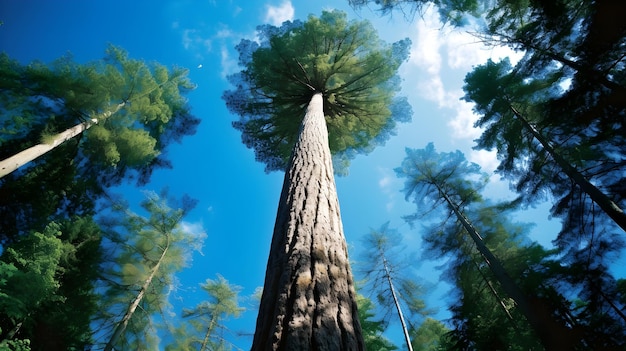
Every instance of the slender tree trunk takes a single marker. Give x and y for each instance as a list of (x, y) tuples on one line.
[(209, 330), (309, 300), (553, 335), (407, 339), (494, 292), (121, 326), (605, 203), (16, 161)]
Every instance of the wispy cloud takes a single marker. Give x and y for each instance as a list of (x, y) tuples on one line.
[(276, 15), (387, 183), (438, 49), (487, 160)]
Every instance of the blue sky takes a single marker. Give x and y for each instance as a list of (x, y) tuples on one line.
[(237, 199)]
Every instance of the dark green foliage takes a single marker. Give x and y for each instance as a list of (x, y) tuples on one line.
[(431, 335), (47, 285), (345, 61), (455, 12)]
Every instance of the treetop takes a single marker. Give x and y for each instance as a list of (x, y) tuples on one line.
[(355, 71)]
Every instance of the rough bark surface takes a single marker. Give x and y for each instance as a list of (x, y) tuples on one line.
[(309, 301)]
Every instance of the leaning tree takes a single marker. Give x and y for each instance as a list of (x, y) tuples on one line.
[(311, 95)]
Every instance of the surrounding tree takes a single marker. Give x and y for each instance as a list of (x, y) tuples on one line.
[(140, 110), (382, 264), (444, 180), (146, 253), (207, 318), (372, 329), (308, 90), (430, 336), (47, 284), (508, 104)]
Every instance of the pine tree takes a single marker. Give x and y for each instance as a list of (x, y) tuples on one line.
[(308, 90)]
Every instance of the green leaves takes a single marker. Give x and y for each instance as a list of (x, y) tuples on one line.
[(343, 60)]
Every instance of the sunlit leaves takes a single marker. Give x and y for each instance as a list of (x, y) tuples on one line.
[(344, 60), (145, 253)]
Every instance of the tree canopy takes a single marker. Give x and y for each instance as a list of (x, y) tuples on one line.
[(344, 60), (147, 112)]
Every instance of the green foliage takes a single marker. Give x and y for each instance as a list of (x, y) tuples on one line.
[(455, 12), (140, 109), (382, 259), (46, 285), (145, 253), (345, 61), (372, 329), (15, 345), (430, 336), (207, 318), (29, 273)]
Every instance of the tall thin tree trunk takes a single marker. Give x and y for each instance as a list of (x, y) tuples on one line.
[(209, 330), (405, 330), (605, 203), (552, 334), (121, 326), (309, 300), (16, 161)]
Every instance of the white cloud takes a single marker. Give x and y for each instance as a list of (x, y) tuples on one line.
[(196, 231), (462, 51), (228, 64), (462, 124), (276, 15), (425, 51), (487, 160)]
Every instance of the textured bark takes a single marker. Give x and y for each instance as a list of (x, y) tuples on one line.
[(16, 161), (309, 300)]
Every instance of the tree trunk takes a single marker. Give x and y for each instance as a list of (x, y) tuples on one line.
[(552, 334), (407, 339), (309, 300), (121, 326), (16, 161), (209, 330), (605, 203)]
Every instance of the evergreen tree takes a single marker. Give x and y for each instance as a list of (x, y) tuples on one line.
[(308, 90), (139, 110), (146, 253), (444, 180), (372, 329), (430, 336), (207, 317), (47, 284), (382, 266)]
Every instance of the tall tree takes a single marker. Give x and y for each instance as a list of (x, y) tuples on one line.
[(501, 97), (207, 318), (147, 251), (308, 91), (140, 110), (382, 264), (442, 179)]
